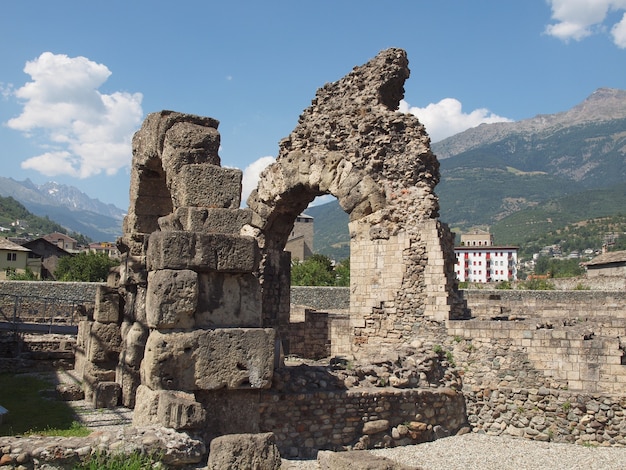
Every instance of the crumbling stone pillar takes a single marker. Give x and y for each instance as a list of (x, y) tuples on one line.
[(192, 318)]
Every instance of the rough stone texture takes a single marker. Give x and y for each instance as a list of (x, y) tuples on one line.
[(176, 449), (189, 189), (104, 343), (228, 300), (253, 451), (209, 359), (352, 143), (107, 308), (106, 395), (172, 409), (172, 298), (205, 219), (202, 252)]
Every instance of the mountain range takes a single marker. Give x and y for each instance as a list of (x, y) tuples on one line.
[(520, 179), (67, 206)]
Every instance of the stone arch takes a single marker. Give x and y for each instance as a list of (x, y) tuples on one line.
[(168, 143), (352, 143)]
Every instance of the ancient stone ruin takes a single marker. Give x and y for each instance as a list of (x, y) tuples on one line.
[(190, 330)]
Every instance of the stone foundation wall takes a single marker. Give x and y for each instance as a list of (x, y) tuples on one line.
[(85, 291), (307, 422), (549, 415), (309, 338), (484, 303), (321, 298)]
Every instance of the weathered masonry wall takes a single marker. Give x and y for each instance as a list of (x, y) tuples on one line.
[(583, 356), (306, 422), (485, 303), (85, 291), (544, 414)]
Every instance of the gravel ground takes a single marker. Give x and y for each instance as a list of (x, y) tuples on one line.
[(481, 452)]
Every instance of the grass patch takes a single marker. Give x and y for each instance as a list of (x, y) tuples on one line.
[(32, 413), (119, 462)]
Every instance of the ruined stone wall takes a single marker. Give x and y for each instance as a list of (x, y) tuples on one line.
[(84, 291), (582, 304), (310, 337), (585, 356), (352, 143), (306, 422)]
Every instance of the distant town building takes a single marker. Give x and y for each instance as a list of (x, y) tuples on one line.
[(108, 248), (611, 263), (63, 241), (16, 258), (479, 260), (49, 253), (300, 241)]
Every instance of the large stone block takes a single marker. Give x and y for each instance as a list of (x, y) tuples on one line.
[(104, 343), (233, 358), (227, 300), (171, 409), (106, 395), (129, 379), (187, 143), (207, 220), (107, 309), (171, 298), (133, 344), (202, 252), (191, 187), (254, 451), (93, 375)]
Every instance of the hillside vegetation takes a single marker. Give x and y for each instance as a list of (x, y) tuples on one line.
[(15, 217)]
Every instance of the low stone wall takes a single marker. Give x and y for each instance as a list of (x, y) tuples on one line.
[(76, 291), (332, 420), (321, 298), (549, 415), (489, 303), (583, 356), (309, 338)]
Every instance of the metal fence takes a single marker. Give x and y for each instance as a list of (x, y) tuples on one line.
[(26, 313)]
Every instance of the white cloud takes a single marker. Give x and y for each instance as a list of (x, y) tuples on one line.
[(619, 33), (578, 19), (251, 175), (446, 118), (88, 132)]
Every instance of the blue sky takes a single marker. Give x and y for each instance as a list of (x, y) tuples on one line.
[(77, 78)]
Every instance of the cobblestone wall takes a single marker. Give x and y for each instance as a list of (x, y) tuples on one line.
[(83, 291), (306, 422), (321, 298)]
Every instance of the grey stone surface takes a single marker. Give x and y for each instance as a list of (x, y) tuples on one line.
[(209, 359), (227, 299), (202, 252), (250, 451), (190, 187), (206, 219), (106, 395), (360, 459), (171, 298), (172, 409), (107, 308)]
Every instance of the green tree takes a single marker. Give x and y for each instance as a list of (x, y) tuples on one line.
[(27, 275), (85, 267), (342, 273), (314, 271)]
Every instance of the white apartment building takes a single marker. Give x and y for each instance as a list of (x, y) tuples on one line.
[(479, 260)]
